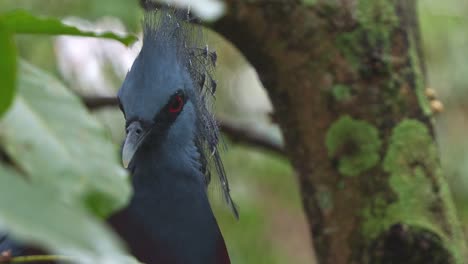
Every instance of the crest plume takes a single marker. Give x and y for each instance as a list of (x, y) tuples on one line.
[(174, 30)]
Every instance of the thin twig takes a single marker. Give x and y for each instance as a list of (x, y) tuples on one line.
[(41, 258), (238, 133), (234, 131), (97, 102)]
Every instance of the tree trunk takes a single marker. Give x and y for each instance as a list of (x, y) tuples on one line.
[(346, 78)]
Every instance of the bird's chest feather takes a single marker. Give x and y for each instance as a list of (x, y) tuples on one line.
[(171, 222)]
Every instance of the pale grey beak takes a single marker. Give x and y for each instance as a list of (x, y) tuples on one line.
[(135, 136)]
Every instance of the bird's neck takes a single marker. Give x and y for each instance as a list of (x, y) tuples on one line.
[(167, 167), (170, 210)]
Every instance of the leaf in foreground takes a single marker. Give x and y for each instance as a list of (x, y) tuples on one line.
[(7, 68), (34, 214), (57, 143), (20, 21)]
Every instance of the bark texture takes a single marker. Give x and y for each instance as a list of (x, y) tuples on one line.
[(346, 78)]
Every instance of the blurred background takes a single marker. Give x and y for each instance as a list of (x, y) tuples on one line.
[(272, 227)]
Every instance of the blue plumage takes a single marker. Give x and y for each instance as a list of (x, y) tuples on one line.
[(9, 246), (171, 137)]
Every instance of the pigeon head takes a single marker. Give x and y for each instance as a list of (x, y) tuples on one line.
[(166, 96), (158, 96)]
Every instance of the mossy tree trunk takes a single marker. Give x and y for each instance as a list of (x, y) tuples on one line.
[(347, 82)]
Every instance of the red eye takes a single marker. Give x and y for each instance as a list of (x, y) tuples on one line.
[(176, 104)]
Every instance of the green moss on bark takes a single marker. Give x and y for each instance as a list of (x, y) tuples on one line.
[(376, 21), (378, 18), (324, 198), (355, 144), (341, 92), (309, 2), (349, 46), (416, 179), (411, 146)]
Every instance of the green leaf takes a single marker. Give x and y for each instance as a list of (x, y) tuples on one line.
[(35, 215), (20, 21), (7, 68), (50, 135)]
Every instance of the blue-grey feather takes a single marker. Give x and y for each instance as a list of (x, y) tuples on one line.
[(171, 59), (169, 175)]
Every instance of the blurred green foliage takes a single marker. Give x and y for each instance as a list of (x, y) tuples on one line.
[(22, 22), (7, 68), (54, 169), (56, 156), (81, 160), (34, 214), (444, 27)]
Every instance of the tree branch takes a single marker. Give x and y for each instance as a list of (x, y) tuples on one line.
[(241, 134), (236, 132), (39, 258), (97, 102)]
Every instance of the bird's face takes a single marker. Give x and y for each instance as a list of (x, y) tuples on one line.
[(155, 101)]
